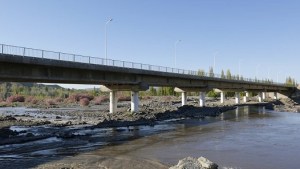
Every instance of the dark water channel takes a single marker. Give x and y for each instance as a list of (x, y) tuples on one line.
[(248, 137)]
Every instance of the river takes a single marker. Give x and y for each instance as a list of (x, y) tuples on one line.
[(247, 138)]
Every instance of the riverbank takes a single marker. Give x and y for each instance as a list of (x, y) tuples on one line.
[(85, 127), (152, 111)]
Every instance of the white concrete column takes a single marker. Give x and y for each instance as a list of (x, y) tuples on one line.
[(237, 97), (260, 97), (183, 98), (275, 96), (246, 97), (222, 97), (202, 99), (263, 96), (134, 101), (112, 102)]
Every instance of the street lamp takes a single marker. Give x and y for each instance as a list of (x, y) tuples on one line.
[(106, 38), (176, 51)]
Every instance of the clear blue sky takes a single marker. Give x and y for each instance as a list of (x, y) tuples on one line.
[(262, 35)]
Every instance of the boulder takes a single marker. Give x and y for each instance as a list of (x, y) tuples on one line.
[(194, 163)]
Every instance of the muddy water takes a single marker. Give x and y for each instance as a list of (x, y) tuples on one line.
[(248, 137)]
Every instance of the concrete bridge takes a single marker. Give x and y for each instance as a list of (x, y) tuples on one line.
[(20, 64)]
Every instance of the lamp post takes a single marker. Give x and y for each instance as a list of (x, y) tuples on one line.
[(107, 22), (176, 52)]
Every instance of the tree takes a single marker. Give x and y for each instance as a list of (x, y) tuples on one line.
[(211, 72), (228, 74), (152, 91), (15, 89), (170, 91), (222, 74), (201, 72)]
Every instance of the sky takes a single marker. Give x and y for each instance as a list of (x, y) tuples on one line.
[(256, 38)]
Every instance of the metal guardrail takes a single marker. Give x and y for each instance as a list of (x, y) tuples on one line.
[(38, 53)]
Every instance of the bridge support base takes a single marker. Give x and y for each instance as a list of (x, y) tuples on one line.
[(134, 101), (246, 97), (112, 102), (237, 97), (202, 99), (183, 98), (222, 97)]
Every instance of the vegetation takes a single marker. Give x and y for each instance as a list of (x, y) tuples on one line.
[(290, 81)]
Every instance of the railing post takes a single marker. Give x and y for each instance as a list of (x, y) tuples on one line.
[(58, 55), (123, 64), (2, 48), (74, 58), (132, 65), (89, 60), (23, 52), (42, 53)]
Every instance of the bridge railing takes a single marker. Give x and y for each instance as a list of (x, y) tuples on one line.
[(38, 53)]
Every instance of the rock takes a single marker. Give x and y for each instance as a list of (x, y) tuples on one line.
[(207, 164), (193, 163), (58, 117)]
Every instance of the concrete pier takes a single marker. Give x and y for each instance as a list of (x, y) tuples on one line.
[(183, 98), (246, 97), (260, 97), (263, 96), (202, 99), (134, 101), (275, 96), (222, 95), (237, 97), (113, 102)]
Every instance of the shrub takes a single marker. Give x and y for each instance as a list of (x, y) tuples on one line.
[(58, 100), (100, 99), (31, 100), (50, 102), (15, 98), (78, 97), (84, 102)]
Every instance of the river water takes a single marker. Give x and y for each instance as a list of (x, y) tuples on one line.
[(247, 138)]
